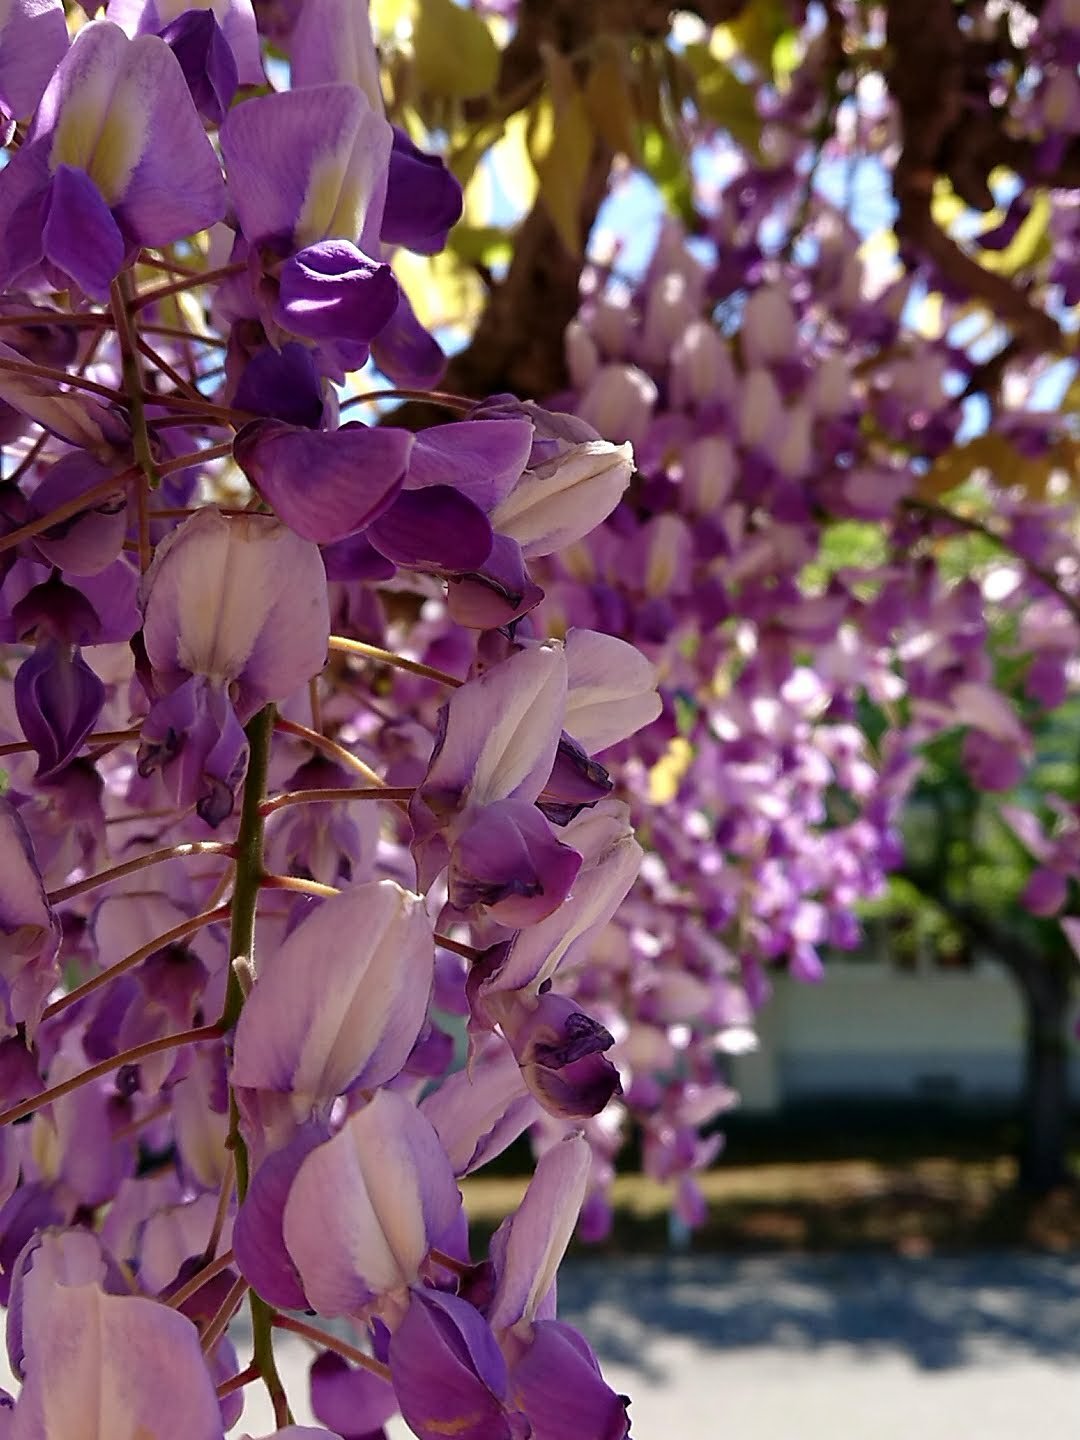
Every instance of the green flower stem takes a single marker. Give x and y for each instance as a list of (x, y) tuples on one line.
[(249, 874)]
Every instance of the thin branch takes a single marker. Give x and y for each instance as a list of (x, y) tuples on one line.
[(129, 962), (129, 867), (106, 1067), (335, 793), (329, 748), (387, 657), (220, 1323), (198, 1280), (331, 1342)]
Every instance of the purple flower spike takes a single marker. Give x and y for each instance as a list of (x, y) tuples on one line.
[(332, 291), (33, 40), (566, 497), (79, 236), (558, 1384), (58, 699), (480, 1110), (405, 352), (423, 199), (528, 1247), (496, 594), (193, 737), (88, 542), (257, 1238), (433, 529), (366, 1207), (559, 1049), (235, 19), (283, 385), (324, 485), (448, 1372), (483, 462), (117, 157), (332, 41), (510, 863), (207, 60)]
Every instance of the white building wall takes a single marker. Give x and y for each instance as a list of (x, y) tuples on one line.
[(870, 1031)]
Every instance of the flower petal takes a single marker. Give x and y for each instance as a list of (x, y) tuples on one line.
[(324, 485), (367, 1206)]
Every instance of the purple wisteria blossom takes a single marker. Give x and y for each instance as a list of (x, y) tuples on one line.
[(116, 158)]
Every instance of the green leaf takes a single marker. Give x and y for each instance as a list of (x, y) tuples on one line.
[(454, 52), (667, 168), (487, 245), (560, 142), (609, 100), (722, 97)]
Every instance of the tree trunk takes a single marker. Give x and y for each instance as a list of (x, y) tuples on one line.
[(1044, 1114)]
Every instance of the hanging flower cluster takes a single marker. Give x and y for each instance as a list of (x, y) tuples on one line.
[(244, 911)]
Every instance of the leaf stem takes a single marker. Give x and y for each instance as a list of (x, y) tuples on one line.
[(159, 942), (183, 851), (105, 1067), (331, 1342), (334, 793), (387, 657)]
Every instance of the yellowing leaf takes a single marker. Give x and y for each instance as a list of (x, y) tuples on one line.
[(608, 99), (983, 452), (1029, 245), (722, 97), (392, 17), (754, 33), (560, 143), (513, 173), (946, 207), (455, 54), (443, 291), (665, 775)]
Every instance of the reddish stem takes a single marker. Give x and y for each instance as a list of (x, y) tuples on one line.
[(105, 1067), (170, 937), (331, 1342)]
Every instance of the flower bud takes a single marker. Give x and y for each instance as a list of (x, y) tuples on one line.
[(619, 402), (559, 502), (767, 333), (701, 368)]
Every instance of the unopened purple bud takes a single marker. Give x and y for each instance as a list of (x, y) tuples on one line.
[(332, 291), (207, 60), (58, 699), (423, 199)]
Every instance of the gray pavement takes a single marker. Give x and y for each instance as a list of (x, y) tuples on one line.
[(825, 1348)]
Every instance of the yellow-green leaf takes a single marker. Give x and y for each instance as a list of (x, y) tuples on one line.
[(754, 33), (1030, 244), (983, 452), (725, 99), (454, 52), (560, 143), (608, 98)]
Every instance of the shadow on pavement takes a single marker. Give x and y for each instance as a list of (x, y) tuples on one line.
[(939, 1312)]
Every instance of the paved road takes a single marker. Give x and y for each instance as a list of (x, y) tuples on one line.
[(844, 1348)]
